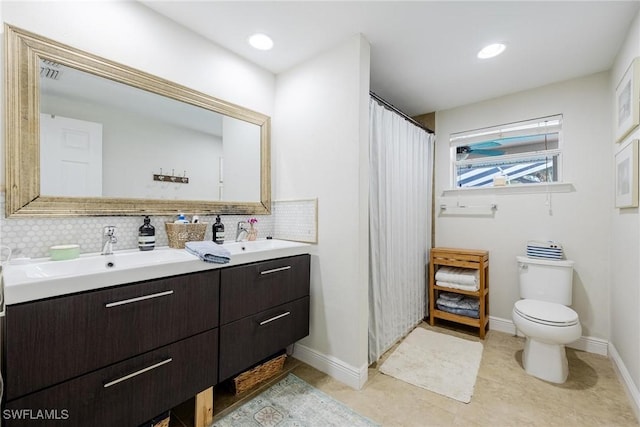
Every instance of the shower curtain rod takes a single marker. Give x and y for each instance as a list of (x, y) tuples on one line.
[(396, 110)]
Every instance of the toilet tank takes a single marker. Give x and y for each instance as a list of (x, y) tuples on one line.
[(546, 280)]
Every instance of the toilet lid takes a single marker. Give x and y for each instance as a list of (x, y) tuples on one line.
[(547, 313)]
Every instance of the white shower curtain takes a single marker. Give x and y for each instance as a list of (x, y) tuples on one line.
[(399, 226)]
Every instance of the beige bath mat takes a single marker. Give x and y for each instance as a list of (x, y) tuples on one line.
[(437, 362)]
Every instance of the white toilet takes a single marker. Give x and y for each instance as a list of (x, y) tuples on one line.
[(544, 318)]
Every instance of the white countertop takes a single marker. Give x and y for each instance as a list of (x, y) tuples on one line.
[(29, 280)]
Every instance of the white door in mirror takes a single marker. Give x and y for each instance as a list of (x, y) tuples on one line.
[(73, 149)]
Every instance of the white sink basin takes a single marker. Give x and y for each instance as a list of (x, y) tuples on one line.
[(43, 278), (94, 263), (259, 246)]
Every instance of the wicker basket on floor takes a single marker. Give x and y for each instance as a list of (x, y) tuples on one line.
[(160, 421), (163, 423), (251, 378), (179, 234)]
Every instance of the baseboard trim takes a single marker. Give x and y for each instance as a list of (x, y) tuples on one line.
[(332, 366), (591, 345), (502, 325), (357, 377), (629, 386), (588, 344)]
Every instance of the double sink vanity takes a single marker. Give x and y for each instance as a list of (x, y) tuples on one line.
[(119, 339), (116, 340)]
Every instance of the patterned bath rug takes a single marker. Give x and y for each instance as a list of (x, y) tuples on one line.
[(293, 403), (437, 362)]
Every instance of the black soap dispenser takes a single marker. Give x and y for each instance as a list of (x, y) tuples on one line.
[(146, 236), (218, 231)]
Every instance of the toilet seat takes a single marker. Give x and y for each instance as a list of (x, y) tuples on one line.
[(546, 313)]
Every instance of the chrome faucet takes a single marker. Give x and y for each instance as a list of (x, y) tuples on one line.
[(108, 239), (242, 228)]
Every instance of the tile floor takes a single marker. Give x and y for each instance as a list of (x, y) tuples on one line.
[(504, 394)]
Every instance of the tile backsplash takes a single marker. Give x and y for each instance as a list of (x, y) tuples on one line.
[(296, 220), (32, 237)]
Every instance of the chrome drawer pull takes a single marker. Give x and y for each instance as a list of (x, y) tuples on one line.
[(142, 298), (136, 373), (275, 270), (279, 316)]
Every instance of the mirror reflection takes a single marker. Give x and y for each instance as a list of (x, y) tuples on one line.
[(88, 136), (103, 138)]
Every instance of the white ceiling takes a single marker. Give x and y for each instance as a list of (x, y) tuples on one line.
[(423, 53)]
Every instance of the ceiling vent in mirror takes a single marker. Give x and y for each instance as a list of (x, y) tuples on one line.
[(50, 69)]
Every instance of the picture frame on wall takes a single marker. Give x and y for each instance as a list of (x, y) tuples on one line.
[(626, 175), (627, 102)]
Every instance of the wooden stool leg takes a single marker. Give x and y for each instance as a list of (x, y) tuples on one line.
[(203, 416)]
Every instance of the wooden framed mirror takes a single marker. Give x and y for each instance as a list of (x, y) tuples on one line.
[(164, 148)]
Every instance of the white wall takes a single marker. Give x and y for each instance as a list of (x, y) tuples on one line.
[(625, 250), (137, 146), (580, 219), (131, 155), (320, 129)]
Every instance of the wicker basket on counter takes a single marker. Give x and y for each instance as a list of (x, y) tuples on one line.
[(179, 234), (251, 378)]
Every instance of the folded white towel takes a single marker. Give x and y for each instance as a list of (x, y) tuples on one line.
[(209, 251), (451, 285), (463, 276)]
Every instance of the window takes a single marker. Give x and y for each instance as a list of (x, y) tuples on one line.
[(525, 152)]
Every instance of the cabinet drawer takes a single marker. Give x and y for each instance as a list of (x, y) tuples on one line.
[(250, 289), (126, 393), (245, 342), (50, 341)]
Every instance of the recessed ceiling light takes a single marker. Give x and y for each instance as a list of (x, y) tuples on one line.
[(261, 41), (491, 50)]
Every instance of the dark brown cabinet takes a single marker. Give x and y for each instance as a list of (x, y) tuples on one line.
[(120, 356), (127, 393), (264, 307), (60, 353), (254, 338), (52, 340), (249, 289)]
